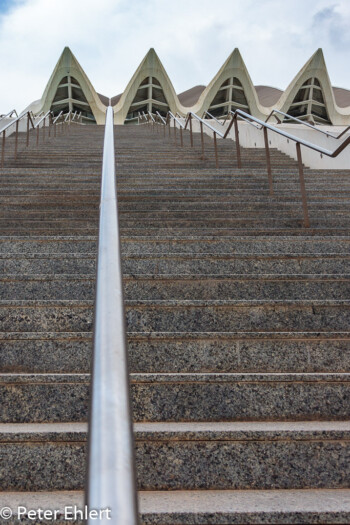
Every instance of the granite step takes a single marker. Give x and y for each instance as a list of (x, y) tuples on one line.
[(172, 264), (187, 244), (186, 315), (183, 287), (183, 397), (176, 352), (186, 456)]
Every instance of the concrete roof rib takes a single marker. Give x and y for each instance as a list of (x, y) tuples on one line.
[(261, 99)]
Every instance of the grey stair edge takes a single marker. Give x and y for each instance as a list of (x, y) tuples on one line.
[(189, 377), (185, 431), (199, 502), (178, 255), (236, 238), (181, 276), (144, 336), (178, 302)]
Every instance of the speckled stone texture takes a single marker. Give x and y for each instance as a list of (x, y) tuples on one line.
[(183, 397), (197, 457), (237, 320), (67, 352)]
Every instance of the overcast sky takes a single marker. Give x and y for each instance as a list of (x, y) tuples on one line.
[(192, 38)]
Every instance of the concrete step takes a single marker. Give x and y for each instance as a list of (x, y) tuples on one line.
[(185, 264), (186, 315), (183, 287), (187, 244), (174, 352), (183, 397), (186, 456)]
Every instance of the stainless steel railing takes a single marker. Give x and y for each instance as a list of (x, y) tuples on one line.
[(111, 472)]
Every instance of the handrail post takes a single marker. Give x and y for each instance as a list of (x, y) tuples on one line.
[(302, 186), (202, 139), (3, 148), (268, 160), (191, 132), (181, 137), (44, 123), (27, 141), (111, 475), (37, 135), (175, 130), (16, 139), (216, 150), (238, 149)]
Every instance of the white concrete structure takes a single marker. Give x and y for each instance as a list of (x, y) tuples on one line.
[(309, 96)]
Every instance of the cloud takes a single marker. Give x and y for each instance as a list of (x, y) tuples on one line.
[(192, 38), (334, 26)]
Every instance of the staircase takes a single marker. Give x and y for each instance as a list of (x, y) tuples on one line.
[(237, 319)]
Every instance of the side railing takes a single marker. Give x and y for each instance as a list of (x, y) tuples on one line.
[(111, 471), (289, 118), (265, 127), (286, 118), (9, 114), (39, 126)]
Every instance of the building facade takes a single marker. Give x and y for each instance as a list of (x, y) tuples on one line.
[(309, 96)]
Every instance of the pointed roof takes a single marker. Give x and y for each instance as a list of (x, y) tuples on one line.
[(233, 66), (314, 67), (67, 64), (150, 65)]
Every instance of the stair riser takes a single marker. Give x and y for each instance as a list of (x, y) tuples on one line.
[(197, 401), (185, 318), (81, 289), (166, 246), (167, 265), (46, 356), (186, 465)]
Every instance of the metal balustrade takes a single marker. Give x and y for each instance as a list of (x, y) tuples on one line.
[(259, 125), (111, 470)]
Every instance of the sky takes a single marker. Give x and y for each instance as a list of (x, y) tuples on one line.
[(193, 38)]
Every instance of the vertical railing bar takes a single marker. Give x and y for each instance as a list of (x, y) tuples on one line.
[(216, 150), (268, 161), (238, 149), (302, 187), (16, 139), (3, 148)]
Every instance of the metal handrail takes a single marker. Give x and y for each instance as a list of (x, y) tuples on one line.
[(307, 124), (111, 471), (30, 123), (58, 116), (181, 124), (68, 115), (294, 138), (9, 114), (214, 118), (260, 125), (17, 120), (150, 115), (191, 115), (48, 113), (160, 117)]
